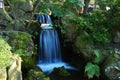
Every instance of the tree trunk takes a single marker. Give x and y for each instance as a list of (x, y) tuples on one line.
[(86, 6)]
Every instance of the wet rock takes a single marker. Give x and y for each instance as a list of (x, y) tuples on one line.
[(61, 71), (111, 66), (117, 37)]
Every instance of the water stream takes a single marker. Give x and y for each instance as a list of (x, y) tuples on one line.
[(49, 46)]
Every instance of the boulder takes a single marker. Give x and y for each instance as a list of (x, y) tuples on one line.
[(10, 64), (21, 43), (84, 45), (14, 71), (36, 74), (117, 37), (111, 66)]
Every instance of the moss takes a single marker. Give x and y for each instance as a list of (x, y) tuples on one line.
[(84, 44), (5, 54), (22, 44), (36, 74), (61, 71)]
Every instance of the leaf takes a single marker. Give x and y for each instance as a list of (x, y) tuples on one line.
[(96, 60), (97, 70), (89, 70), (96, 52), (80, 4), (92, 69)]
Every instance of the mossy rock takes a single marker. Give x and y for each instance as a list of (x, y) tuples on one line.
[(36, 74), (5, 54), (84, 45), (61, 71), (21, 43)]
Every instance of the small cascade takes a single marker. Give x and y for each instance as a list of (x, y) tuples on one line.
[(49, 45)]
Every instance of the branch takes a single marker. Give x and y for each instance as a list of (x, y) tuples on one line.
[(5, 14), (86, 6)]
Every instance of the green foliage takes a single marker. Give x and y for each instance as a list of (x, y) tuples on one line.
[(75, 3), (16, 1), (95, 25), (97, 57), (57, 8), (28, 62), (92, 69), (109, 3), (113, 15)]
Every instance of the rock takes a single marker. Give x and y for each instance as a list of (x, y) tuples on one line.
[(112, 71), (36, 74), (61, 71), (117, 37), (3, 74), (21, 43), (14, 71), (28, 6), (10, 65), (84, 45), (111, 67), (14, 17)]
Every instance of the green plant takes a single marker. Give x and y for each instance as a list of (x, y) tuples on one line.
[(95, 25), (92, 68)]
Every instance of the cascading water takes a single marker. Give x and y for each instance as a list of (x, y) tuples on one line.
[(49, 46)]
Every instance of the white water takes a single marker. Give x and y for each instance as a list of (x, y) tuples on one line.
[(51, 66)]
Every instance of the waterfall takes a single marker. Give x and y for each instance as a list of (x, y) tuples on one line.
[(49, 45)]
